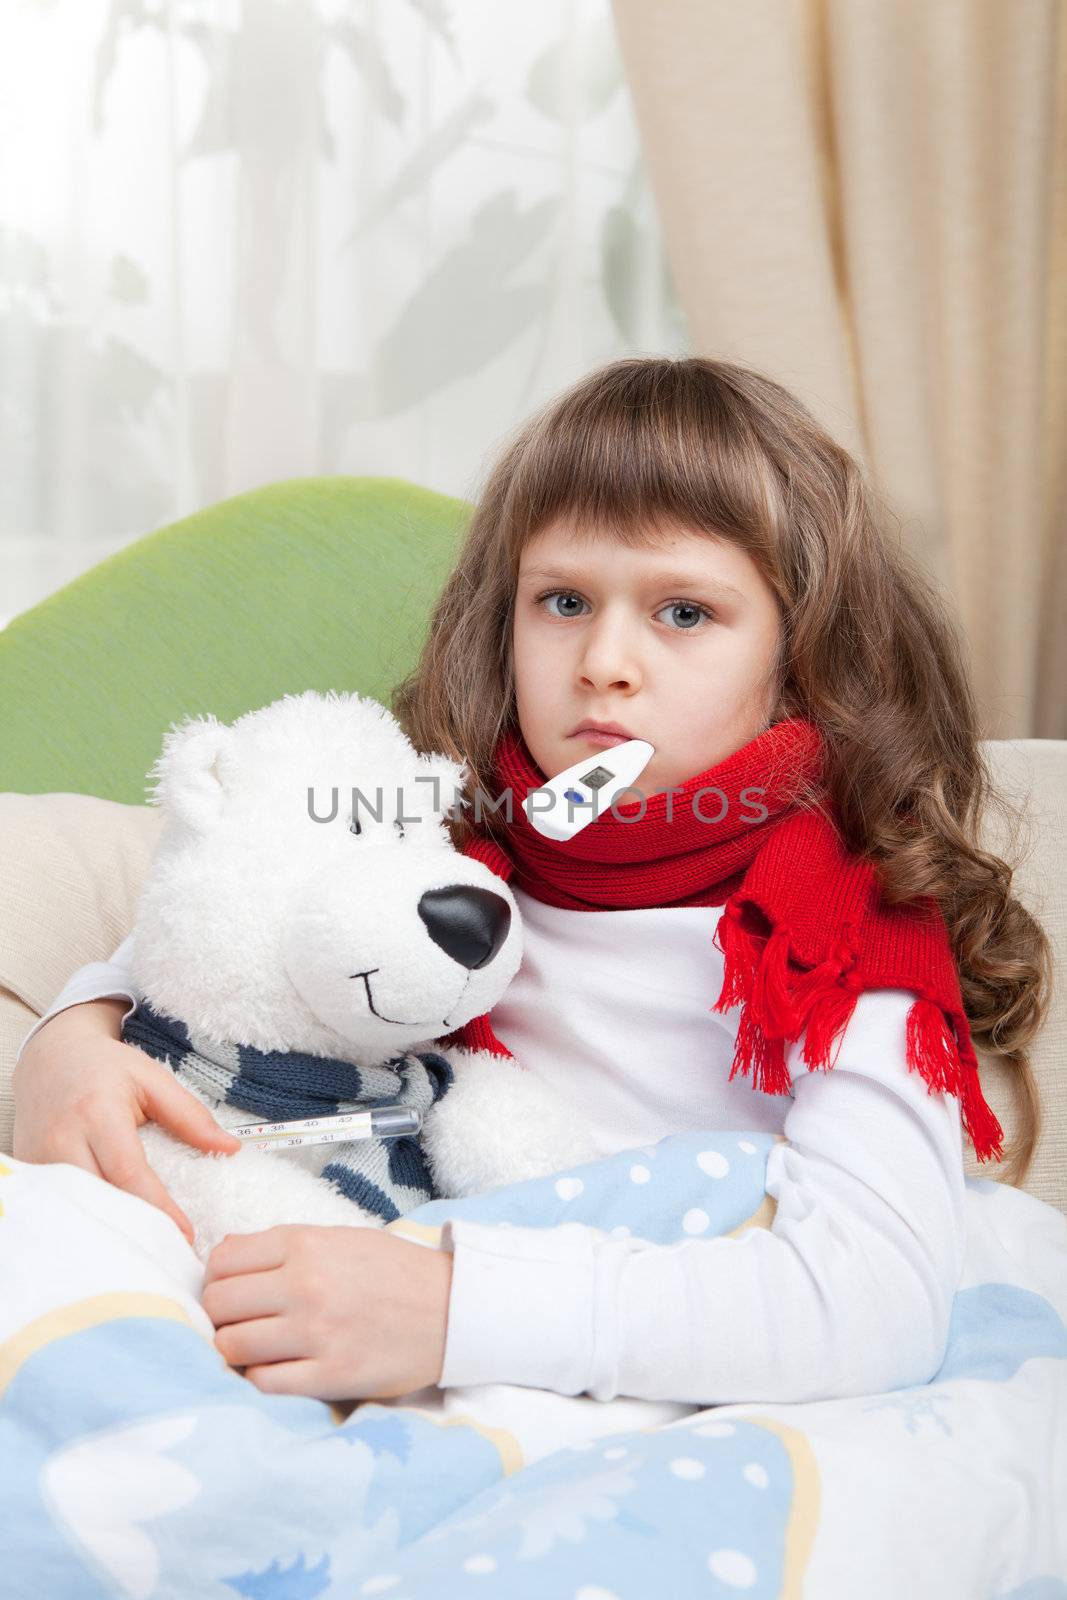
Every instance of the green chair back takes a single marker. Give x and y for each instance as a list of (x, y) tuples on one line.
[(312, 583)]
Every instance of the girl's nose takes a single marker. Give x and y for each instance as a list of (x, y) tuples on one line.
[(608, 660), (609, 674), (469, 924)]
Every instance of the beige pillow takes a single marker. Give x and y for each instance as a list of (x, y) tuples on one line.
[(71, 867), (1033, 774)]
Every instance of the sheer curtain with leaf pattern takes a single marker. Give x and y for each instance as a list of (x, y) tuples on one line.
[(243, 240)]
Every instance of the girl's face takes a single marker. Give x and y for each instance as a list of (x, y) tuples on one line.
[(675, 643)]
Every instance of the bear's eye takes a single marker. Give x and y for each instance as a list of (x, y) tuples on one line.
[(398, 824), (355, 826)]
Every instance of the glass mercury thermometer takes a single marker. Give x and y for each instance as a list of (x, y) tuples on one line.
[(382, 1122), (583, 785)]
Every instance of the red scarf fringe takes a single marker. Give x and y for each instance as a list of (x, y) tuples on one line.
[(780, 1001)]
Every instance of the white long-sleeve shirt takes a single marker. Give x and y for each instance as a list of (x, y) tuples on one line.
[(850, 1289)]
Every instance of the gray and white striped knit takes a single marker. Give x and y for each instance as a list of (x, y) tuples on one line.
[(387, 1177)]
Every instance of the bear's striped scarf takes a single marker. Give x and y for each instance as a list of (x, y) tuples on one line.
[(388, 1177), (803, 930)]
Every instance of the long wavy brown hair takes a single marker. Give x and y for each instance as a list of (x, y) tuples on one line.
[(870, 652)]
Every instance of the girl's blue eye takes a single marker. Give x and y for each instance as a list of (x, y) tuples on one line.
[(556, 594), (686, 605), (674, 605)]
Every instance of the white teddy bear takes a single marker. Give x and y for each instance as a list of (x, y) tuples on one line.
[(305, 932)]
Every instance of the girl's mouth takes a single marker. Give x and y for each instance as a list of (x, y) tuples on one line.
[(602, 740)]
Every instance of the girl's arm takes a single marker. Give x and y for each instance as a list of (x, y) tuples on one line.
[(848, 1292), (97, 980)]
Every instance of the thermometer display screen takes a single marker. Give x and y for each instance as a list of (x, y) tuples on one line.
[(597, 778)]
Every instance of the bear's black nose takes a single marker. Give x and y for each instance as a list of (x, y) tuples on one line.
[(469, 924)]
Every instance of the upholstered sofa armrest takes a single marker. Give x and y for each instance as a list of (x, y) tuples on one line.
[(71, 868)]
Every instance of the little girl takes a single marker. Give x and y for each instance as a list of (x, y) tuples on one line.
[(791, 928)]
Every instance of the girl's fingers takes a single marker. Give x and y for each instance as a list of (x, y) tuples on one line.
[(240, 1298), (247, 1252), (166, 1102), (122, 1161), (293, 1377), (266, 1339), (81, 1156)]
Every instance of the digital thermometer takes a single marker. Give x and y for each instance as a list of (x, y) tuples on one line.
[(573, 799)]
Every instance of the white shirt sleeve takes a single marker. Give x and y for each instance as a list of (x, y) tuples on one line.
[(97, 980), (849, 1291)]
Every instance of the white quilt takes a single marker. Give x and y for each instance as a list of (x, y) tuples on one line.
[(134, 1462)]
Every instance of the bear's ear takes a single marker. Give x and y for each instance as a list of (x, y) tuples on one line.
[(451, 777), (188, 784)]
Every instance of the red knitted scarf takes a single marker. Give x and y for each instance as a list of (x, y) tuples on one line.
[(803, 931)]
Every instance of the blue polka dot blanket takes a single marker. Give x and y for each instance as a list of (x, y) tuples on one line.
[(134, 1462)]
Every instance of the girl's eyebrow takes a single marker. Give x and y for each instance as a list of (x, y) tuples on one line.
[(665, 579)]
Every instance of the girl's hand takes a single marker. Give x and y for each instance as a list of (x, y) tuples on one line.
[(81, 1093), (332, 1313)]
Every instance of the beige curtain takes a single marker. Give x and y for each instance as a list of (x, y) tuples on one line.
[(867, 199)]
